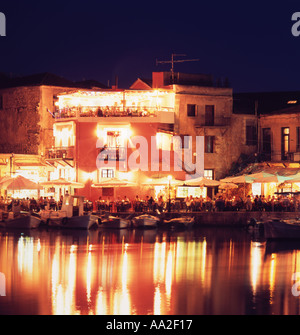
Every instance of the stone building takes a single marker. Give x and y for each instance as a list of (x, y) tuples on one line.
[(27, 107)]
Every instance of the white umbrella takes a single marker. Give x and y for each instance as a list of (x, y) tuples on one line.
[(227, 186), (62, 182), (161, 181), (238, 179), (114, 182), (202, 182), (19, 183)]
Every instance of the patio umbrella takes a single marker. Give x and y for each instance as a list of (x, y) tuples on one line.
[(4, 179), (294, 178), (62, 182), (257, 177), (161, 181), (273, 179), (243, 179), (19, 183), (227, 186), (238, 179), (114, 182), (202, 182)]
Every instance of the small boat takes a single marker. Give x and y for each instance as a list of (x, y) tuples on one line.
[(282, 229), (145, 221), (52, 218), (70, 216), (23, 220), (255, 225), (183, 222), (113, 222)]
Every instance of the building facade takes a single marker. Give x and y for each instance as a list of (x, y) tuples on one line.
[(144, 133)]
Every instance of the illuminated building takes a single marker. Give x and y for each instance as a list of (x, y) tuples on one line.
[(92, 124), (67, 126)]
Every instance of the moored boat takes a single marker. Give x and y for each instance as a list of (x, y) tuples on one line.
[(183, 222), (113, 222), (282, 229), (70, 216), (21, 221), (145, 221)]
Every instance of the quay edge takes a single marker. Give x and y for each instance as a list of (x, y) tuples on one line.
[(230, 219)]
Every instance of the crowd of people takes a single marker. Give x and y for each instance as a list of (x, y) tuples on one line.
[(219, 203), (31, 204), (250, 203)]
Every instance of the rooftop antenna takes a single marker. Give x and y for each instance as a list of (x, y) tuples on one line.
[(172, 61)]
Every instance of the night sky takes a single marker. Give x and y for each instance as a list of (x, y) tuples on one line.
[(250, 42)]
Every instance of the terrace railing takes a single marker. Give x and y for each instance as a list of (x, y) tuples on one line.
[(109, 111), (60, 153)]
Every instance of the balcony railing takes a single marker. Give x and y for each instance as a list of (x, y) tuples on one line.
[(109, 111), (112, 154), (60, 153)]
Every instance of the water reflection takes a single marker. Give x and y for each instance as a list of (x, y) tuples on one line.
[(213, 271)]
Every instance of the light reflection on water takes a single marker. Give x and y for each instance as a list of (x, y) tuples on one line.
[(207, 271)]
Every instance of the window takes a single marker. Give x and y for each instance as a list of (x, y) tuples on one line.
[(107, 173), (209, 144), (64, 134), (298, 139), (209, 115), (209, 174), (251, 136), (266, 145), (191, 110), (285, 143)]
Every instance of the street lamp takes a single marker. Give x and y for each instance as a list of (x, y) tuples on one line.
[(169, 178)]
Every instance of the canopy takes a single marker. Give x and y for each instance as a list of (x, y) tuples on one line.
[(161, 181), (227, 186), (272, 179), (114, 182), (202, 182), (62, 182), (18, 183), (294, 179), (238, 179)]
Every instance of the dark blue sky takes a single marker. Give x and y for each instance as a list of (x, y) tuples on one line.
[(250, 42)]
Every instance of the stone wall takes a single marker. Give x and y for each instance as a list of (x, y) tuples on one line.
[(19, 120), (229, 130)]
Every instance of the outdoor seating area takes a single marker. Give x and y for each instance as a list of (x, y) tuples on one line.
[(108, 111)]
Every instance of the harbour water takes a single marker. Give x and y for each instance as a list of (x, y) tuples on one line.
[(207, 271)]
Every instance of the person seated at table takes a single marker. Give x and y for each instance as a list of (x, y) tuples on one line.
[(33, 205), (119, 204), (160, 203), (99, 112), (220, 204), (151, 203), (137, 204), (52, 204), (188, 202)]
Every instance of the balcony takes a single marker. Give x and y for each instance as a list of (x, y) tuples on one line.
[(112, 154), (62, 155), (220, 122), (112, 114)]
